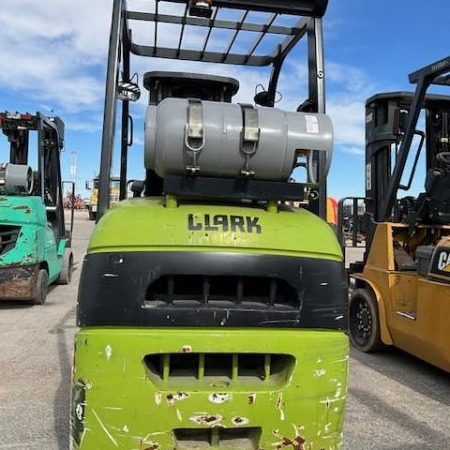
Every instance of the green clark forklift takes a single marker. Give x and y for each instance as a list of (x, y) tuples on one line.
[(35, 246), (211, 312)]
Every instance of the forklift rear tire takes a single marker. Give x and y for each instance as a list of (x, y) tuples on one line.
[(41, 287), (364, 321), (67, 268), (92, 215)]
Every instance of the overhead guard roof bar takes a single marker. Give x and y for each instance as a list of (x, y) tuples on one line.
[(309, 8), (213, 22), (423, 78), (432, 73), (293, 34)]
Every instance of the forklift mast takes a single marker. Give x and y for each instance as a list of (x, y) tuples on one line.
[(46, 180), (391, 125)]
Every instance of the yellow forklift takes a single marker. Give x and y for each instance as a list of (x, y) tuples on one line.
[(400, 292), (114, 188)]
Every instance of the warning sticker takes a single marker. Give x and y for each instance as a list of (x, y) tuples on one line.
[(312, 124)]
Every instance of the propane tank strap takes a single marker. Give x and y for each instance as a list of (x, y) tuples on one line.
[(194, 138), (250, 137), (195, 119), (250, 125)]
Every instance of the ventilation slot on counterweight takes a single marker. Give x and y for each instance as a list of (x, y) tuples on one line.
[(224, 438), (187, 291), (218, 369)]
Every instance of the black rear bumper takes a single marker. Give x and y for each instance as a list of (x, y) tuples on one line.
[(206, 289)]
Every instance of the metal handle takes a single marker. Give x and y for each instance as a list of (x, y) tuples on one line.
[(131, 128)]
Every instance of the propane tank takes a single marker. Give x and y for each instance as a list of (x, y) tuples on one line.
[(16, 179), (213, 139)]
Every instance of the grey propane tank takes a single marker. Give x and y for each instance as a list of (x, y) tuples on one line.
[(230, 140), (16, 179)]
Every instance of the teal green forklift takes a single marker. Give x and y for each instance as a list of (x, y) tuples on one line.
[(35, 245)]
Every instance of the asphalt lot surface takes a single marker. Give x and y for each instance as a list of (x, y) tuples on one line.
[(395, 402)]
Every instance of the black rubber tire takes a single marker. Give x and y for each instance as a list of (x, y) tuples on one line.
[(67, 268), (41, 287), (364, 321), (92, 215)]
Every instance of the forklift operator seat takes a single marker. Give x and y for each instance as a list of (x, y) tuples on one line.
[(435, 205)]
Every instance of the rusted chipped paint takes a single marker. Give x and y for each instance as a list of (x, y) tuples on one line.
[(319, 372), (177, 397), (252, 399), (219, 398), (186, 349), (148, 446), (18, 282), (240, 421), (206, 419), (296, 443), (24, 208)]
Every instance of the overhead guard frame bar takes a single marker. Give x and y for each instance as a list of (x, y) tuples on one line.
[(309, 13), (308, 8), (293, 35)]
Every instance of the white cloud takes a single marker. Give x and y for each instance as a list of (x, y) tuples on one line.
[(357, 151), (348, 120), (55, 54), (50, 51), (93, 125), (348, 88)]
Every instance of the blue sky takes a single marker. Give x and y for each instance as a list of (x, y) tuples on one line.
[(53, 57)]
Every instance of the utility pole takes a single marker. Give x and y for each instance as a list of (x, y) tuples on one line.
[(73, 166)]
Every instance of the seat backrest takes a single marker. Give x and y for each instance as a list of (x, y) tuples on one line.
[(437, 187)]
